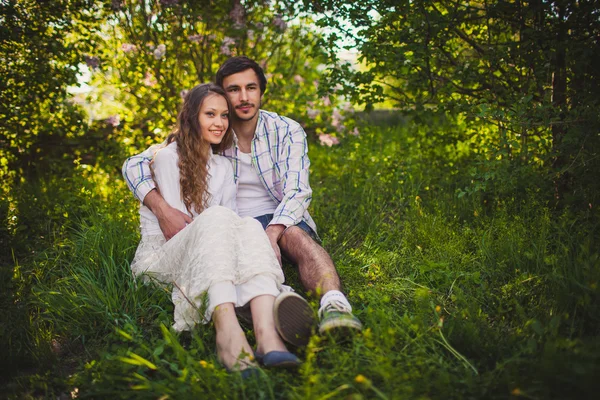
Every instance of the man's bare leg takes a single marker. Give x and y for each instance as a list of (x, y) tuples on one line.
[(233, 348), (315, 266), (318, 275)]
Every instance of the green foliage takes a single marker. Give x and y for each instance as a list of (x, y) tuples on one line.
[(521, 73), (147, 55), (39, 128)]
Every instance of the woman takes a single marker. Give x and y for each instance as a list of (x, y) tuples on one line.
[(219, 261)]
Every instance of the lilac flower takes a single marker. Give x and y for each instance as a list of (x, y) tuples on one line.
[(183, 93), (355, 132), (336, 120), (316, 83), (259, 25), (212, 36), (298, 79), (312, 113), (328, 140), (149, 79), (92, 61), (160, 51), (237, 14), (250, 34), (195, 38), (225, 49), (279, 23), (326, 101), (268, 76), (128, 47), (116, 5), (113, 120)]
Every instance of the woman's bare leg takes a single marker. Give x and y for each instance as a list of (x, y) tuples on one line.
[(233, 349), (267, 338)]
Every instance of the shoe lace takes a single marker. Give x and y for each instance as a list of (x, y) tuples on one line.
[(334, 305)]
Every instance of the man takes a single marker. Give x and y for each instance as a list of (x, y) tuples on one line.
[(271, 168)]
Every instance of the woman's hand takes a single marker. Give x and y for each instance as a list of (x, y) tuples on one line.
[(274, 233)]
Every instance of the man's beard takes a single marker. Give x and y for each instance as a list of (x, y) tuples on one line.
[(247, 118)]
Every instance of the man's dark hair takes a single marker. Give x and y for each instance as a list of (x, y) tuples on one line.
[(239, 64)]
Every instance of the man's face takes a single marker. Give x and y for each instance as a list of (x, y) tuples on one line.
[(243, 90)]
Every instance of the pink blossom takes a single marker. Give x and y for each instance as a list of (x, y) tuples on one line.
[(312, 113), (259, 25), (327, 140), (195, 38), (279, 23), (160, 51), (149, 79), (355, 132), (128, 47), (183, 93), (250, 34), (212, 36), (348, 108), (268, 76), (316, 83), (298, 79), (326, 101)]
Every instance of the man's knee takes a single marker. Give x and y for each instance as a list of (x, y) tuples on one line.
[(296, 237)]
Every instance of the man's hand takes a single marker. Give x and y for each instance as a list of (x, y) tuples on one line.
[(274, 232), (170, 219)]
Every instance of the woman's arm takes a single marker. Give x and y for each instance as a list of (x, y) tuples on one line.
[(166, 176)]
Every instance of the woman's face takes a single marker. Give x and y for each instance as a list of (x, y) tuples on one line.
[(214, 118)]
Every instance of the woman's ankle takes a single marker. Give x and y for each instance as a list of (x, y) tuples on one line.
[(269, 341)]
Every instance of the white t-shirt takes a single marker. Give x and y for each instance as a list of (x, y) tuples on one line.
[(252, 197), (221, 186)]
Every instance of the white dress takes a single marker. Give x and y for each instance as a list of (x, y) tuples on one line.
[(218, 258)]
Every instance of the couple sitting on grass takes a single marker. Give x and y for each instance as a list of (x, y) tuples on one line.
[(222, 199)]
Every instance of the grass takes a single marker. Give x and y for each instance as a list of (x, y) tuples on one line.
[(482, 296)]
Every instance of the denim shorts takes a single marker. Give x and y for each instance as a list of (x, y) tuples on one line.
[(265, 219)]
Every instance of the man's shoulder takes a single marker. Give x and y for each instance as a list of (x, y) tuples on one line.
[(272, 119)]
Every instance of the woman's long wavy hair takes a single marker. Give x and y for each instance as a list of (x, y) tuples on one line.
[(193, 150)]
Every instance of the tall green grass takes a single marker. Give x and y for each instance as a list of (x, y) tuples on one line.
[(479, 296)]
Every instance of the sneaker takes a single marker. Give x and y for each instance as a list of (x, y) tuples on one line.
[(336, 316), (294, 318)]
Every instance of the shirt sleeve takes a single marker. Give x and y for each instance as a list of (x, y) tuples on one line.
[(166, 175), (136, 171), (297, 193)]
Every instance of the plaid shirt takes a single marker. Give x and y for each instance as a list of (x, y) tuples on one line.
[(279, 155)]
